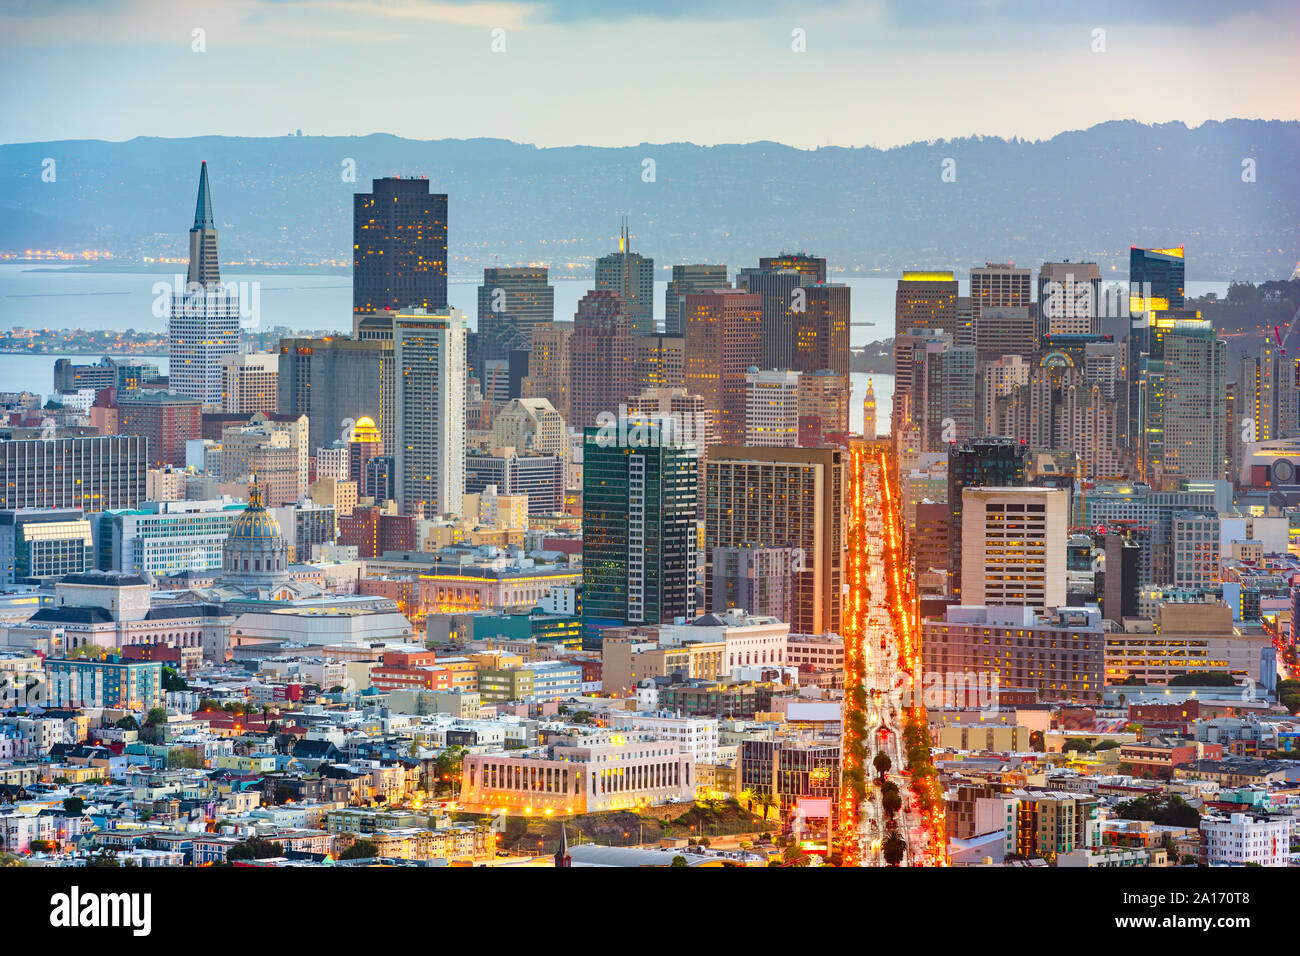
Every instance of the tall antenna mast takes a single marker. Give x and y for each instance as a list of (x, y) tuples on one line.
[(625, 247)]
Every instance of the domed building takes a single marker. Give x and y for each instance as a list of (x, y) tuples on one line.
[(255, 556)]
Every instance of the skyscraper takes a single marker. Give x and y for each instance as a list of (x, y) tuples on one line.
[(1155, 279), (204, 324), (923, 302), (550, 364), (1069, 299), (1266, 393), (777, 287), (1195, 383), (998, 285), (601, 358), (823, 407), (722, 344), (660, 360), (782, 498), (687, 279), (1013, 546), (631, 276), (97, 473), (639, 487), (520, 296), (813, 268), (511, 303), (943, 393), (981, 462), (1152, 392), (821, 330), (334, 381), (166, 420), (249, 383), (772, 408), (996, 380), (399, 247), (429, 355)]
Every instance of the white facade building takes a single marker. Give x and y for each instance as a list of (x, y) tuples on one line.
[(1243, 839), (429, 354), (772, 408), (1013, 546), (697, 736), (750, 639)]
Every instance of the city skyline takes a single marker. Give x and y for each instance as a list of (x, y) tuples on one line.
[(461, 563)]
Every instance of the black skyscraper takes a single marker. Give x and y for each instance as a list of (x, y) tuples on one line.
[(399, 235)]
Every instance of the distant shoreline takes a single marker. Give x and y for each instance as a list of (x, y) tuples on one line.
[(105, 268), (60, 353)]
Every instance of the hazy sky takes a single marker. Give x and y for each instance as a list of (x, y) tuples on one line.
[(612, 73)]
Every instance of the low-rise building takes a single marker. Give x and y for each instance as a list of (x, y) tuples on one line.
[(580, 778), (1245, 838)]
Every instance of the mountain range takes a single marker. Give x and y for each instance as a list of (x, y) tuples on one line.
[(1228, 191)]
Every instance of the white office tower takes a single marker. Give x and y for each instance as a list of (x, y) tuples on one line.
[(429, 354), (204, 324), (771, 409), (1013, 546)]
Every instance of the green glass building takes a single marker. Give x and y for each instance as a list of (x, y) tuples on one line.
[(639, 491)]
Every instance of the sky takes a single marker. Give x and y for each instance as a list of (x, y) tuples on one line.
[(610, 73)]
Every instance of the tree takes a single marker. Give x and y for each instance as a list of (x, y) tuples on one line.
[(127, 723), (892, 801), (1173, 811), (1241, 293), (182, 758), (882, 763), (747, 798), (255, 848), (894, 849), (766, 801), (447, 769), (678, 861), (73, 806), (1203, 679), (172, 680), (157, 717), (361, 850)]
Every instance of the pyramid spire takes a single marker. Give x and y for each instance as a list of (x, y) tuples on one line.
[(562, 857), (204, 268), (203, 208)]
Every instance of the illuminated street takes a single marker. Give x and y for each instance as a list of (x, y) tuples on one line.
[(881, 657)]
